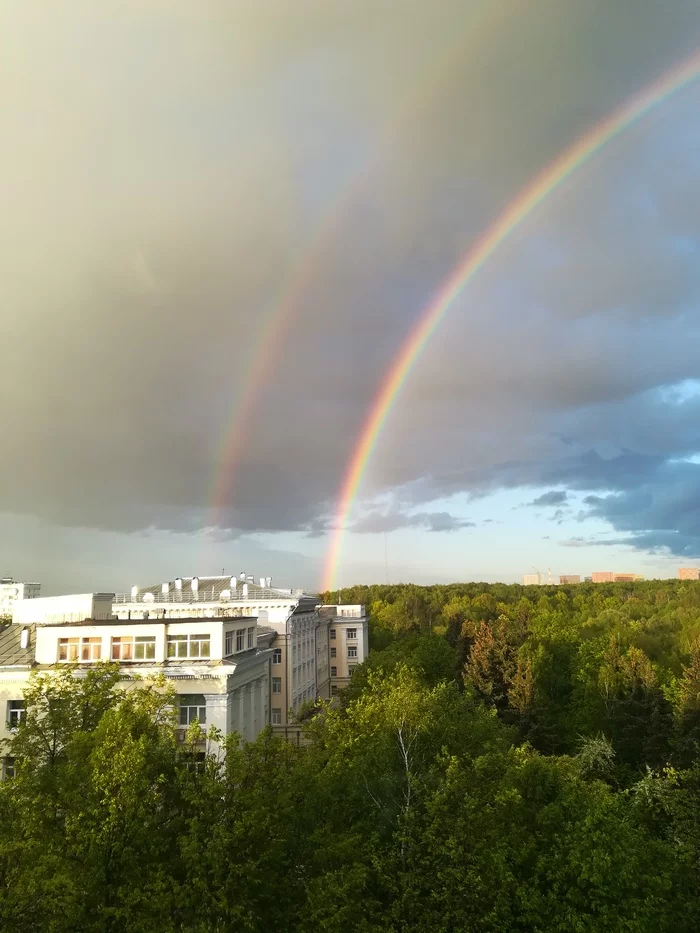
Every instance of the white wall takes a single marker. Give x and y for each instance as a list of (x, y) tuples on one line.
[(73, 608)]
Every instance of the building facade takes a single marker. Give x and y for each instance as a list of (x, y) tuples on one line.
[(219, 672), (532, 579), (688, 573), (348, 642), (13, 592), (603, 576), (288, 620), (569, 578)]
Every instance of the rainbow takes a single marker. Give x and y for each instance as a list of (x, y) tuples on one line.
[(270, 342), (509, 220)]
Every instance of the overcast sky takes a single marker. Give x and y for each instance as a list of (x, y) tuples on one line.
[(171, 171)]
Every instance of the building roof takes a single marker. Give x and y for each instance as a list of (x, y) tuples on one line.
[(212, 589), (152, 620), (12, 654)]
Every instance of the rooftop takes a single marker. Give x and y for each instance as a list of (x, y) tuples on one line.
[(208, 589), (12, 653)]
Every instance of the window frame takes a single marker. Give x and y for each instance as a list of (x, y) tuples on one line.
[(276, 682), (122, 641), (251, 637), (187, 641), (334, 670), (141, 644), (276, 716), (15, 714), (199, 707), (331, 632), (240, 640), (352, 651), (351, 634), (67, 644)]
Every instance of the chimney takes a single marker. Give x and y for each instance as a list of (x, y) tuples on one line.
[(24, 638)]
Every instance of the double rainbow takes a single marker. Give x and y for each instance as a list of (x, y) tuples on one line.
[(509, 220)]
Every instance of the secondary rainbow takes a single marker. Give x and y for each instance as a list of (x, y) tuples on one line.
[(268, 347), (514, 214)]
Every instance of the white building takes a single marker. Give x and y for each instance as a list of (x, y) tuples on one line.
[(50, 610), (219, 671), (289, 623), (12, 592), (532, 579), (348, 641)]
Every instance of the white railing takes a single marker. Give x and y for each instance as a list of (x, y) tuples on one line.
[(203, 595)]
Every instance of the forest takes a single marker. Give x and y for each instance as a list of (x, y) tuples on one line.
[(507, 758)]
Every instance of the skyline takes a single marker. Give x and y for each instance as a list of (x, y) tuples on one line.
[(253, 217)]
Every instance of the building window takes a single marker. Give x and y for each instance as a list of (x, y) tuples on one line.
[(332, 634), (90, 649), (333, 652), (351, 634), (277, 656), (193, 706), (351, 668), (123, 648), (8, 769), (68, 649), (15, 713), (251, 637), (189, 646), (276, 716), (228, 644), (240, 639), (352, 651), (145, 648), (334, 690), (277, 685), (334, 672)]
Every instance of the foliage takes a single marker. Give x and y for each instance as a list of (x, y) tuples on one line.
[(506, 759)]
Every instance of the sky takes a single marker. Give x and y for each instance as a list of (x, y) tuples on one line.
[(179, 180)]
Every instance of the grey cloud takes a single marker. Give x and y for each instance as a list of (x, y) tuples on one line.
[(555, 497), (378, 522), (183, 162)]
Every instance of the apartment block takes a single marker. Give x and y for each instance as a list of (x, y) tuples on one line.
[(288, 620), (532, 579), (219, 671), (689, 573), (603, 576), (348, 640), (569, 578)]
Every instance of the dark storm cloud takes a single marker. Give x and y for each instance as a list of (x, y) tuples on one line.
[(165, 172)]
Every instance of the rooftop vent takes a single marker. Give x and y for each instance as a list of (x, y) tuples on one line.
[(225, 594), (241, 576), (165, 588), (148, 597), (134, 592), (244, 592), (24, 638), (195, 584), (178, 583)]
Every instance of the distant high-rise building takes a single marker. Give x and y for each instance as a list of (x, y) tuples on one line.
[(569, 578), (603, 576), (689, 573), (532, 579), (588, 579), (11, 592), (628, 577)]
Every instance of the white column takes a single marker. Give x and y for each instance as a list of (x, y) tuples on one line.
[(241, 711)]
